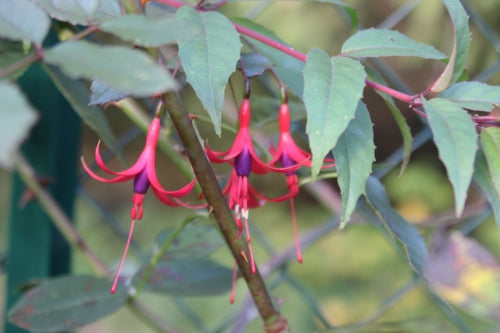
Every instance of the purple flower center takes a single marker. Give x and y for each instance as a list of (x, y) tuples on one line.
[(287, 162), (243, 163), (141, 182)]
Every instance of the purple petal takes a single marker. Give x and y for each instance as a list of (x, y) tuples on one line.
[(141, 182), (243, 163), (287, 162)]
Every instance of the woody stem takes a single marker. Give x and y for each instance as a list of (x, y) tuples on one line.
[(213, 194)]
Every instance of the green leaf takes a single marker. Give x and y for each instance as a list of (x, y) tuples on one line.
[(460, 51), (288, 68), (490, 142), (255, 64), (66, 303), (11, 52), (83, 8), (473, 95), (386, 43), (354, 155), (81, 12), (188, 277), (466, 274), (78, 96), (150, 32), (483, 178), (18, 116), (22, 20), (403, 126), (396, 226), (197, 239), (127, 70), (456, 139), (332, 90), (210, 58), (102, 93)]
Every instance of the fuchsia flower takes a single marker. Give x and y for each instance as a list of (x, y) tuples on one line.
[(244, 159), (241, 195), (144, 174), (291, 158)]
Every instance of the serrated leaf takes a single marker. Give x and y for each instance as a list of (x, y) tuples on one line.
[(102, 93), (78, 96), (354, 155), (188, 277), (490, 142), (81, 12), (466, 274), (197, 239), (397, 227), (288, 68), (127, 70), (387, 43), (150, 32), (460, 51), (210, 58), (22, 20), (332, 90), (483, 179), (456, 139), (473, 95), (66, 303), (18, 116)]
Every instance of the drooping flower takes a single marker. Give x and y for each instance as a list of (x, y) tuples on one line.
[(244, 159), (144, 174), (290, 157), (241, 195)]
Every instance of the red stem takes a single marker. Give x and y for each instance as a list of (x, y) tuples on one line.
[(299, 55)]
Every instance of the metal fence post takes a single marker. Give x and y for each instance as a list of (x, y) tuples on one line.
[(36, 249)]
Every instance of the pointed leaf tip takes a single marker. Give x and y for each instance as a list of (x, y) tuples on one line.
[(460, 50), (354, 155), (456, 139), (209, 58)]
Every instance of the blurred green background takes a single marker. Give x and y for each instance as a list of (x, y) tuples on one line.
[(349, 273)]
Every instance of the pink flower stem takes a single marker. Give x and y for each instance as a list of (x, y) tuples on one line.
[(298, 55)]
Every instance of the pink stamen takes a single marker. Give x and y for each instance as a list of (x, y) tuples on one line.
[(295, 231), (137, 209), (129, 239), (244, 215)]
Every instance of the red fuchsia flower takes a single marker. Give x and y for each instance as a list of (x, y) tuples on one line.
[(244, 159), (291, 157), (241, 195), (144, 174)]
